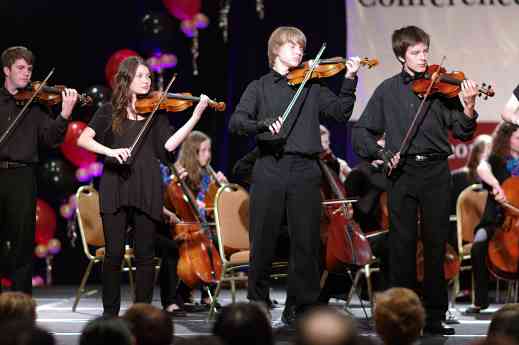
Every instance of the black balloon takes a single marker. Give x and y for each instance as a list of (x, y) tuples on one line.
[(100, 94), (56, 180), (156, 32), (156, 23)]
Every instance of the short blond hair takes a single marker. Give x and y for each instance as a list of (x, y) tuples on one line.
[(399, 316), (17, 306), (282, 35)]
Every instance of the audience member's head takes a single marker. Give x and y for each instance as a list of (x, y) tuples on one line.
[(149, 324), (326, 326), (496, 340), (104, 330), (399, 316), (199, 340), (17, 306), (244, 324), (505, 322), (24, 332)]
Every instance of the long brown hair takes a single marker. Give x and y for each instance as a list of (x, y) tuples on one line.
[(476, 154), (121, 96), (501, 139), (188, 156)]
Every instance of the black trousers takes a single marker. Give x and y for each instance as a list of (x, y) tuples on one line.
[(478, 257), (420, 187), (167, 250), (17, 225), (286, 186), (144, 228)]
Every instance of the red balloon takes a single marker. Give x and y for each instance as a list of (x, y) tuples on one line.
[(114, 61), (45, 222), (183, 9), (75, 154)]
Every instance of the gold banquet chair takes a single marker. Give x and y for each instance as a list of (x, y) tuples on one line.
[(469, 210), (91, 230), (232, 229)]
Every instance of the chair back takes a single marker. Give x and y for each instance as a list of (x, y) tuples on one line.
[(469, 210), (232, 218), (89, 218)]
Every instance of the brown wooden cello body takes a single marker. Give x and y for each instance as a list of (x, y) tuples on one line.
[(503, 247), (199, 260), (346, 243)]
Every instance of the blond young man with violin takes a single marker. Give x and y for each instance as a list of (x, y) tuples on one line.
[(131, 193), (286, 176), (419, 177), (493, 170), (18, 159)]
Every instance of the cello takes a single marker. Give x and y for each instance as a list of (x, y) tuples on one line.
[(346, 244), (503, 247), (199, 260)]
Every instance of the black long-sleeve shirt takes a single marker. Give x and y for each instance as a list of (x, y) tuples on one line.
[(35, 129), (391, 109), (269, 96)]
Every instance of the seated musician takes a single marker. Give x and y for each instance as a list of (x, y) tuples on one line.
[(195, 157), (502, 163), (367, 182), (342, 168)]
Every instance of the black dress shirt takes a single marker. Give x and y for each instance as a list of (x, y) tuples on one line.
[(391, 110), (516, 92), (35, 129), (269, 96)]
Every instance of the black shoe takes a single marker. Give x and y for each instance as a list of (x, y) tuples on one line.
[(438, 328), (195, 307), (176, 313), (288, 317), (474, 309)]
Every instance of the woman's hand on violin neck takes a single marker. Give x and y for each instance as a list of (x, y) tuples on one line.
[(352, 66), (120, 154), (69, 98), (469, 91), (200, 107)]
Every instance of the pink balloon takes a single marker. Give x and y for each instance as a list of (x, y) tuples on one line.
[(75, 154), (183, 9), (45, 222), (113, 63)]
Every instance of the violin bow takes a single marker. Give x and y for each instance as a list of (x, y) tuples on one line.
[(308, 74), (151, 116), (405, 142), (18, 117)]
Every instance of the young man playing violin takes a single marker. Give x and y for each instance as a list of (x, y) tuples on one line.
[(286, 176), (18, 159), (419, 179), (511, 111)]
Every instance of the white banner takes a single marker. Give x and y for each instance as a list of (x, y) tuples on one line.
[(478, 37)]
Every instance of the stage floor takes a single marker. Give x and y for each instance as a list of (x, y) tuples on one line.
[(55, 314)]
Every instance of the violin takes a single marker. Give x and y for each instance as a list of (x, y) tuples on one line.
[(447, 84), (326, 68), (173, 102), (48, 95), (346, 243), (503, 248)]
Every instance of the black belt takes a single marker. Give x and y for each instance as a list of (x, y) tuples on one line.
[(11, 165), (427, 157)]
